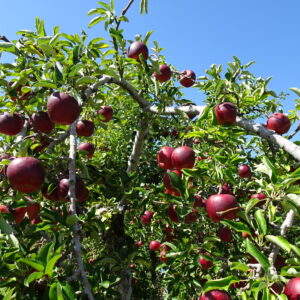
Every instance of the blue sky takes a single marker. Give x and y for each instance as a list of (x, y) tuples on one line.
[(194, 33)]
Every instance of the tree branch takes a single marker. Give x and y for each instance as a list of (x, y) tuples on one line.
[(294, 133), (123, 13), (61, 138), (75, 227), (288, 222), (4, 38)]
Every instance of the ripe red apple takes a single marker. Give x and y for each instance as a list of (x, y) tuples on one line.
[(196, 141), (4, 209), (164, 157), (146, 217), (226, 189), (225, 234), (148, 213), (36, 221), (139, 243), (11, 124), (62, 108), (53, 195), (25, 174), (17, 91), (220, 203), (183, 157), (42, 122), (137, 48), (154, 245), (18, 214), (162, 256), (172, 214), (33, 211), (106, 112), (165, 73), (167, 182), (187, 78), (244, 171), (204, 263), (81, 191), (292, 289), (85, 128), (215, 295), (198, 201), (88, 147), (259, 196), (226, 113), (279, 122)]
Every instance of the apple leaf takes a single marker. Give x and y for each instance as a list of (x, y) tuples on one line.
[(33, 276), (176, 182), (5, 227), (220, 284), (68, 291), (45, 83), (239, 266), (51, 264), (296, 91), (45, 253), (260, 257), (237, 226), (8, 47), (280, 242), (261, 221), (32, 264), (268, 168)]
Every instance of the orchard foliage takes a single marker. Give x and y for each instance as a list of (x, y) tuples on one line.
[(251, 255)]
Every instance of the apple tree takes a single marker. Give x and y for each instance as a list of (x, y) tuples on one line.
[(115, 186)]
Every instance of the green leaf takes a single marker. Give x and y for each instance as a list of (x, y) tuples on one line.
[(295, 249), (52, 291), (32, 263), (261, 221), (40, 27), (148, 34), (176, 182), (172, 246), (45, 83), (220, 284), (68, 292), (5, 227), (45, 253), (268, 168), (86, 80), (237, 226), (239, 266), (71, 220), (296, 91), (51, 264), (260, 257), (8, 47), (33, 276), (13, 240), (108, 260), (96, 20), (105, 284), (280, 242)]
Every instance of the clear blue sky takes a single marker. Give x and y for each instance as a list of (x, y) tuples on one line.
[(194, 33)]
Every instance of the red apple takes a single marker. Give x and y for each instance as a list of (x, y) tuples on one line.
[(190, 217), (225, 234), (42, 122), (205, 264), (33, 211), (62, 108), (137, 48), (172, 214), (154, 245), (220, 203), (106, 112), (292, 289), (226, 189), (215, 295), (259, 196), (244, 171), (18, 214), (139, 243), (226, 113), (146, 217), (3, 209), (196, 141), (279, 122), (36, 221), (25, 174), (165, 73), (81, 192), (88, 147), (18, 92), (53, 195), (164, 157), (183, 157), (198, 201), (11, 124), (85, 128), (187, 78)]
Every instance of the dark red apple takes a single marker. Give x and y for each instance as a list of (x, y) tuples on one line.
[(226, 113), (81, 191), (146, 217), (215, 295), (62, 108), (220, 203), (33, 211), (11, 124), (18, 92), (279, 122), (137, 48), (25, 174), (183, 157), (36, 221), (196, 141), (18, 214), (198, 201), (187, 78), (244, 171), (164, 157), (292, 289), (3, 209), (172, 214), (42, 122), (53, 195), (167, 181), (204, 263), (139, 243), (165, 73), (154, 245), (85, 128), (148, 213), (190, 217), (106, 112), (88, 147), (226, 189), (259, 196), (225, 234)]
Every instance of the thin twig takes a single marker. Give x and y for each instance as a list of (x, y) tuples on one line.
[(123, 13), (4, 38), (294, 133)]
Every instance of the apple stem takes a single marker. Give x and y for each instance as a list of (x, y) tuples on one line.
[(76, 227), (287, 223)]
